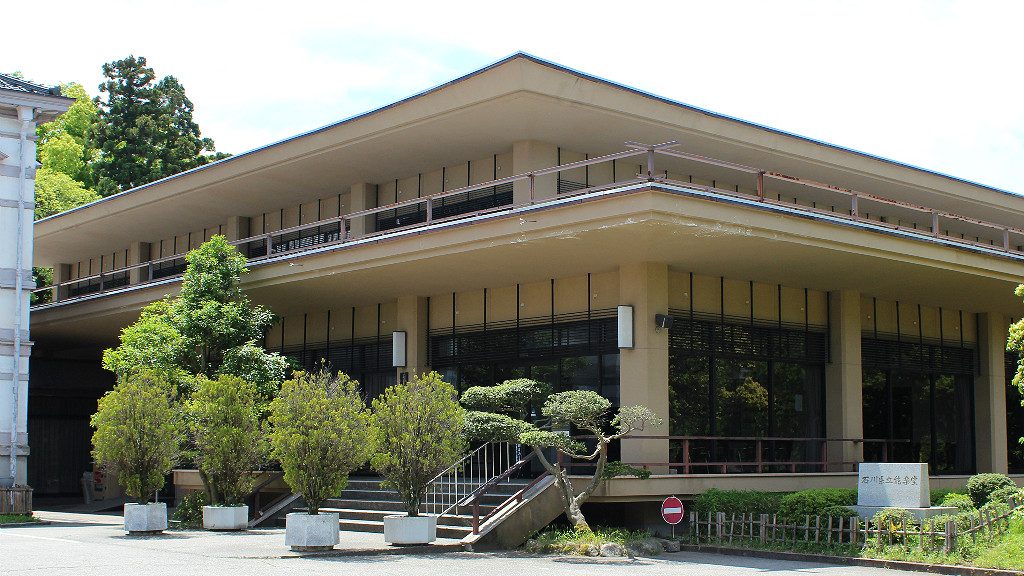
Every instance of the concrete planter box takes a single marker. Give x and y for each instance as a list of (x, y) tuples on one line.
[(225, 517), (145, 518), (402, 530), (305, 532)]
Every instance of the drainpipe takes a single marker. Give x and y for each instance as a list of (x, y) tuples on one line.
[(27, 115)]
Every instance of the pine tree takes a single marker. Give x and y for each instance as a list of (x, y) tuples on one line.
[(145, 130)]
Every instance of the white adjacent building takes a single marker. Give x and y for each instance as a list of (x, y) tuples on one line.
[(23, 105)]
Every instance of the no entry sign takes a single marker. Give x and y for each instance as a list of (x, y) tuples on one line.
[(672, 510)]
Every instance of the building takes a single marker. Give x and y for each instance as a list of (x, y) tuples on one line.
[(789, 306), (22, 106)]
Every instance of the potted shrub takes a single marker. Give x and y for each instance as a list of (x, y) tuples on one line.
[(138, 436), (224, 425), (417, 428), (320, 433)]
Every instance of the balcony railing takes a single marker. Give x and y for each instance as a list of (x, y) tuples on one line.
[(481, 200)]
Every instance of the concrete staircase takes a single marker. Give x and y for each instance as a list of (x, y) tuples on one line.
[(362, 506)]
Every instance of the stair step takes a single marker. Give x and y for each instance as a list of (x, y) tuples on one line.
[(389, 505), (345, 514)]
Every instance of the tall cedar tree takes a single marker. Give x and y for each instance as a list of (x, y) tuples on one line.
[(145, 130)]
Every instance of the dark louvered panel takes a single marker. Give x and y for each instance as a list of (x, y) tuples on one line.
[(563, 335), (887, 352), (305, 238), (464, 203), (349, 356), (752, 340), (169, 268), (567, 186)]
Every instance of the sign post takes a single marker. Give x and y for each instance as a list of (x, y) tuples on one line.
[(672, 512)]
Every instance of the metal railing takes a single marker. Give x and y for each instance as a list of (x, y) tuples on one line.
[(453, 486), (856, 209), (747, 454)]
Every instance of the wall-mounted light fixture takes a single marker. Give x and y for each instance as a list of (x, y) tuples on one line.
[(398, 349), (662, 321), (625, 315)]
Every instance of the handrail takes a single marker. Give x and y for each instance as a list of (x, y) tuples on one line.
[(518, 496), (451, 488), (649, 175)]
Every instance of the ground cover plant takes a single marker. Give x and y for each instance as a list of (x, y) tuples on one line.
[(17, 518), (567, 540)]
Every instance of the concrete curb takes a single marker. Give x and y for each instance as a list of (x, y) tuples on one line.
[(25, 524), (393, 551), (849, 561)]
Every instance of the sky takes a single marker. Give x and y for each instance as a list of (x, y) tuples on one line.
[(936, 84)]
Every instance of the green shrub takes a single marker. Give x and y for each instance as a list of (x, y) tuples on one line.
[(816, 501), (417, 432), (980, 486), (1002, 495), (617, 468), (894, 519), (190, 511), (139, 432), (937, 495), (837, 511), (321, 432), (739, 501), (962, 502)]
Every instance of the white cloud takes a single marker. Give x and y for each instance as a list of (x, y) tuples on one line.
[(935, 84)]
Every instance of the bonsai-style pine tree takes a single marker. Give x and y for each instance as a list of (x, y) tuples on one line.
[(224, 423), (417, 428), (138, 433), (500, 413), (320, 433)]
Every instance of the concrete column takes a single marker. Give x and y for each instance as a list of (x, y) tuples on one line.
[(990, 394), (237, 228), (363, 197), (61, 273), (844, 378), (139, 252), (643, 373), (530, 155), (412, 319)]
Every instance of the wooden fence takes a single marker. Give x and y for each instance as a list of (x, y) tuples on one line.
[(929, 535), (17, 500)]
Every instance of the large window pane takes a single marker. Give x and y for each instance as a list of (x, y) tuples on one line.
[(796, 412), (741, 398), (610, 378), (876, 413), (581, 373), (689, 403)]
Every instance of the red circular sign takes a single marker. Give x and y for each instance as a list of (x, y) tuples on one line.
[(672, 510)]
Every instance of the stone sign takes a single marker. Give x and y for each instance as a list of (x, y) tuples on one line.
[(893, 485)]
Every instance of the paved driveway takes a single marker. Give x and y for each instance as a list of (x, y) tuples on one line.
[(86, 545)]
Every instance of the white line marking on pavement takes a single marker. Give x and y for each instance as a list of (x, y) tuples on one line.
[(41, 538)]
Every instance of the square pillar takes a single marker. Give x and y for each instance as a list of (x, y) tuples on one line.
[(411, 318), (363, 197), (530, 155), (990, 394), (138, 253), (61, 273), (237, 228), (643, 372), (844, 380)]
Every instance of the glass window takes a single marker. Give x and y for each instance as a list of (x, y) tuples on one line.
[(581, 373), (741, 398), (610, 378), (689, 400)]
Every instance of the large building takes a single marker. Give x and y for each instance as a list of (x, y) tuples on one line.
[(23, 105), (790, 307)]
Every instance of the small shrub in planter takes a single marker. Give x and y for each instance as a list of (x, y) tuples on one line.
[(812, 502), (320, 433), (980, 486), (417, 429), (224, 424), (138, 436)]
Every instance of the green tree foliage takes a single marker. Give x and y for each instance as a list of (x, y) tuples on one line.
[(1015, 343), (501, 412), (145, 130), (57, 192), (209, 329), (417, 429), (224, 423), (64, 144), (320, 432), (981, 486), (138, 432)]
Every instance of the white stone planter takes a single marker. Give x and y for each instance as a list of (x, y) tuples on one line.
[(410, 529), (305, 532), (145, 518), (225, 517)]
